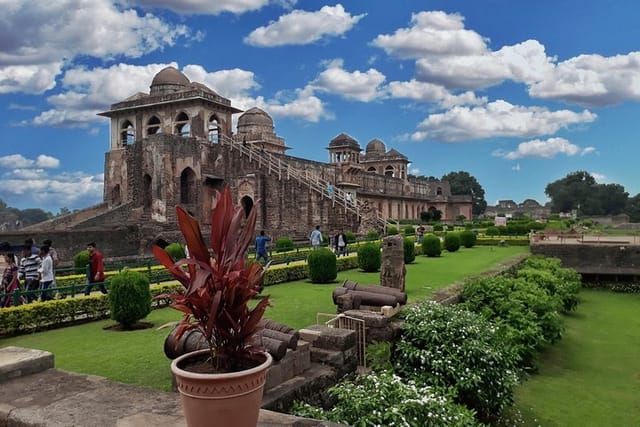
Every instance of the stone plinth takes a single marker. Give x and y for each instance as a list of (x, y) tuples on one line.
[(17, 362)]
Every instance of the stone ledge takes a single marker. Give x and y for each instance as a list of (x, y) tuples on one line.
[(17, 362)]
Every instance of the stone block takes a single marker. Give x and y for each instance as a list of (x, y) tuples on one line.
[(309, 335), (301, 358), (329, 357), (17, 362), (333, 338), (371, 319)]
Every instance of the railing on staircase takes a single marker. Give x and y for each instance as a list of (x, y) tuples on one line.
[(275, 165)]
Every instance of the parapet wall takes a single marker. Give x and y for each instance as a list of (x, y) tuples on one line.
[(617, 258)]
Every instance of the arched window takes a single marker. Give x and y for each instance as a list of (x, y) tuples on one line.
[(371, 169), (388, 171), (127, 134), (247, 203), (439, 191), (146, 191), (214, 130), (153, 126), (187, 186), (183, 127), (116, 199)]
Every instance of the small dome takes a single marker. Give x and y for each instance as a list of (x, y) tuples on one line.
[(170, 76), (376, 146), (344, 140), (255, 117)]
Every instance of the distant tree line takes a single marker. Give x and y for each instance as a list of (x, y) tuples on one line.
[(13, 218), (462, 183), (579, 191)]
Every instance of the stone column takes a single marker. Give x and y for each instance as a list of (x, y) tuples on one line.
[(393, 271)]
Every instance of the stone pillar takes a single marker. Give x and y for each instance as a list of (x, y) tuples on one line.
[(393, 271)]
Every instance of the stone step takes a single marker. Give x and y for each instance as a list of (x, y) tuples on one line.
[(317, 378), (17, 362)]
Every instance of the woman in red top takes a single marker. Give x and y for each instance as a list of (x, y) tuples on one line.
[(9, 280)]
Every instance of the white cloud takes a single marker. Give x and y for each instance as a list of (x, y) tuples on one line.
[(301, 27), (496, 119), (234, 83), (432, 93), (304, 106), (599, 177), (544, 149), (592, 80), (205, 7), (47, 162), (356, 85), (15, 161), (516, 167), (37, 41)]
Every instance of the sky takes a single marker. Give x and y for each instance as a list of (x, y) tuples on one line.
[(517, 93)]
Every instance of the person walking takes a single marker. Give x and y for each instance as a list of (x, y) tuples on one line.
[(46, 273), (341, 244), (316, 238), (96, 269), (10, 282), (28, 271), (420, 233), (54, 257), (261, 247)]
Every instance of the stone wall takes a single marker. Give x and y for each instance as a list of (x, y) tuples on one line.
[(620, 258)]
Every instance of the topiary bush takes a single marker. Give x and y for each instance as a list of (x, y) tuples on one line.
[(431, 245), (129, 297), (373, 235), (369, 257), (283, 244), (80, 261), (438, 227), (322, 266), (176, 250), (409, 230), (391, 231), (409, 251), (383, 399), (468, 238), (350, 236), (452, 242), (447, 346)]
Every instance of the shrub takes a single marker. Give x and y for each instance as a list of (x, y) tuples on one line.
[(492, 231), (452, 242), (526, 315), (409, 230), (438, 227), (369, 257), (409, 251), (129, 297), (447, 346), (373, 235), (468, 238), (379, 356), (383, 399), (350, 236), (322, 266), (431, 245), (535, 225), (176, 250), (561, 282), (391, 231), (80, 261), (283, 244)]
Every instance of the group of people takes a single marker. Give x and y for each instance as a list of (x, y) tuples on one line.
[(32, 269), (339, 241)]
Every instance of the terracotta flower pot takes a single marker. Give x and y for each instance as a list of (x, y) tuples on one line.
[(229, 399)]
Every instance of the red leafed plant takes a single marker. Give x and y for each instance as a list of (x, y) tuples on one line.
[(218, 287)]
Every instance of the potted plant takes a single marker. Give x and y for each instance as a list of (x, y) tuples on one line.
[(225, 381)]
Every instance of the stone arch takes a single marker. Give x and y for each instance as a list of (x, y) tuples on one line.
[(439, 191), (183, 125), (147, 196), (116, 197), (247, 204), (214, 129), (187, 186), (127, 133), (389, 171), (372, 169), (153, 125)]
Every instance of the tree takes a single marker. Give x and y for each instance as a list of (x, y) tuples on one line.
[(34, 216), (579, 191), (463, 183), (633, 208)]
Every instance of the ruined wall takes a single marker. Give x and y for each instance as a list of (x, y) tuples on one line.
[(618, 259)]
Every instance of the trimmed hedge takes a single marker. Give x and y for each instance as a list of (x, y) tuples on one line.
[(369, 257), (409, 251), (176, 250), (129, 297), (431, 245), (452, 242), (322, 266), (468, 238)]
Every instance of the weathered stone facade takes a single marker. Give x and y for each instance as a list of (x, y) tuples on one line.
[(174, 146)]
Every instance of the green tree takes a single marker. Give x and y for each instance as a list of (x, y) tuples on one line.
[(463, 183), (579, 191), (34, 216), (633, 208)]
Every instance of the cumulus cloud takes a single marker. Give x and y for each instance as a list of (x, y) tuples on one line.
[(301, 27), (61, 30), (28, 182), (205, 7), (356, 85), (305, 105), (544, 149), (592, 80), (432, 93), (496, 119)]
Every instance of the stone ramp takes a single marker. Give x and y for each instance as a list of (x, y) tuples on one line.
[(35, 394)]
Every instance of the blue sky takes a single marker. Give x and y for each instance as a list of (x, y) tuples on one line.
[(516, 93)]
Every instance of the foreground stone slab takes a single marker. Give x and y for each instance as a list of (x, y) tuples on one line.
[(17, 362)]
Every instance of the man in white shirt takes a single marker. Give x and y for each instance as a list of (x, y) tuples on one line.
[(46, 273), (316, 238)]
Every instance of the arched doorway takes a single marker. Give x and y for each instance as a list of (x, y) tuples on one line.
[(247, 203), (187, 186), (146, 192)]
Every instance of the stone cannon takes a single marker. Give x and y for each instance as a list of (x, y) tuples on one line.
[(354, 286), (352, 296)]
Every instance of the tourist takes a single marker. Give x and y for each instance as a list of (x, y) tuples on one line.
[(330, 189), (46, 273), (28, 271), (34, 249), (96, 269), (420, 233), (316, 238), (341, 244), (347, 196), (10, 282), (261, 247), (54, 257)]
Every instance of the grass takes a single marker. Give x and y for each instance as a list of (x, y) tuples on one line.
[(137, 357), (592, 376)]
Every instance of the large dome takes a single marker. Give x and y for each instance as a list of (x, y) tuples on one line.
[(170, 76), (255, 117), (376, 146)]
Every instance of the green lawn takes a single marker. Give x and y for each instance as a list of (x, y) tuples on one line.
[(137, 357), (592, 376)]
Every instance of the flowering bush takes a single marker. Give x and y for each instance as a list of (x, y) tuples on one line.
[(384, 399), (450, 347)]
